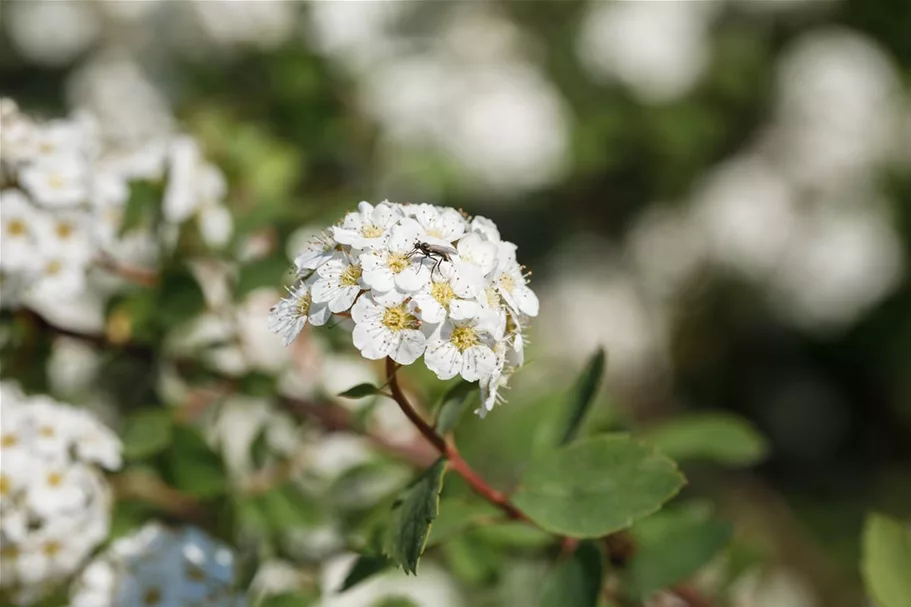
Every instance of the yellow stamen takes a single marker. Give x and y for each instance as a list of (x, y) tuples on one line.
[(6, 486), (351, 275), (396, 262), (303, 304), (463, 338), (53, 267), (56, 181), (371, 231), (507, 283), (9, 440), (16, 227), (51, 548), (46, 431), (64, 230), (443, 293), (152, 596), (397, 319), (54, 479)]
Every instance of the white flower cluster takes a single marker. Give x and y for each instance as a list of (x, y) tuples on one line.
[(54, 501), (64, 191), (417, 279), (160, 566)]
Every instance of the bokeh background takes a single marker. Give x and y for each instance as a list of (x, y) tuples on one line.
[(717, 192)]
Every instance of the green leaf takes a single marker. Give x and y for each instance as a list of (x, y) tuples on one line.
[(515, 534), (886, 560), (259, 449), (597, 486), (286, 508), (266, 272), (412, 515), (583, 396), (472, 560), (289, 599), (456, 516), (366, 565), (179, 298), (193, 467), (147, 433), (676, 553), (453, 405), (719, 437), (143, 204), (395, 601), (360, 391), (575, 582)]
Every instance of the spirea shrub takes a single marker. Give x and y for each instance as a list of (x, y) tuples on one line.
[(417, 280), (55, 505)]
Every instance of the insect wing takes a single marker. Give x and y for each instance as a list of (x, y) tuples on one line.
[(443, 250)]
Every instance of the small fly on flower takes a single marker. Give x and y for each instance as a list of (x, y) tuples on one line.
[(437, 252)]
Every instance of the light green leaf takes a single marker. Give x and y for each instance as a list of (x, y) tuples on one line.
[(677, 552), (395, 601), (147, 433), (412, 515), (453, 405), (720, 437), (515, 534), (286, 508), (360, 391), (583, 396), (366, 565), (886, 560), (575, 582), (597, 486), (266, 272)]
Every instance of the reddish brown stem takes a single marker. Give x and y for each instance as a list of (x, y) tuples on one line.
[(449, 450)]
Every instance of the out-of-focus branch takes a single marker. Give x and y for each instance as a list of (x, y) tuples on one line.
[(140, 276)]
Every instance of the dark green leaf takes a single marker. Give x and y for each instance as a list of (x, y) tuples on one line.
[(289, 599), (360, 391), (575, 582), (583, 396), (193, 467), (142, 206), (412, 515), (515, 534), (453, 405), (676, 553), (180, 297), (597, 486), (719, 437), (259, 449), (257, 383), (366, 565), (147, 433), (471, 559), (886, 560)]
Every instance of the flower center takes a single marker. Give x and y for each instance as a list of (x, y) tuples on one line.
[(507, 283), (463, 338), (9, 440), (397, 262), (64, 230), (397, 319), (46, 431), (371, 231), (443, 293), (16, 227), (55, 181), (52, 548), (435, 232), (493, 298), (54, 479), (196, 573), (303, 304), (53, 268), (351, 275), (5, 485)]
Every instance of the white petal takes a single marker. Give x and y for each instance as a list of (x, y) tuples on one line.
[(413, 278), (485, 227), (403, 236), (215, 225), (374, 342), (380, 279), (324, 290), (463, 309), (467, 280), (410, 347), (333, 268), (366, 309), (526, 300), (430, 309), (319, 314), (443, 358), (344, 299), (478, 362)]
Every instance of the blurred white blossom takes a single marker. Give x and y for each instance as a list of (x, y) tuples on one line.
[(157, 565), (54, 500)]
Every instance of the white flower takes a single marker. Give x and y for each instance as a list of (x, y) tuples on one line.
[(160, 566), (464, 347), (289, 315), (438, 299), (475, 260), (395, 264), (486, 228), (319, 249), (55, 504), (60, 182), (387, 326), (368, 227), (17, 222), (511, 284), (338, 283), (442, 223)]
